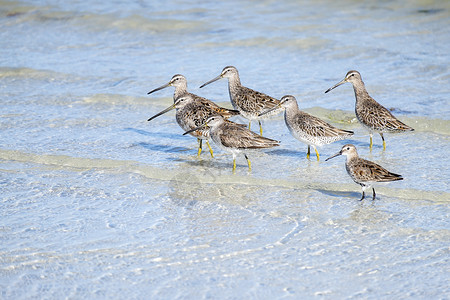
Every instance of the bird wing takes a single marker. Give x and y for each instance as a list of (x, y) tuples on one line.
[(379, 117), (365, 170), (194, 115), (224, 112), (234, 135), (317, 127), (254, 101)]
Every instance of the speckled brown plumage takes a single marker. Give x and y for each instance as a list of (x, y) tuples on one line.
[(248, 102), (308, 128), (371, 114), (364, 172), (180, 83), (194, 109), (235, 138)]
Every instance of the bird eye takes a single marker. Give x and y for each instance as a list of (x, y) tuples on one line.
[(348, 148)]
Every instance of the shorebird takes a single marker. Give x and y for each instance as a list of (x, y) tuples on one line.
[(248, 102), (307, 128), (180, 83), (191, 114), (371, 114), (234, 138), (364, 172)]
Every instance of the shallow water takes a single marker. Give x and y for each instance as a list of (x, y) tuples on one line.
[(99, 203)]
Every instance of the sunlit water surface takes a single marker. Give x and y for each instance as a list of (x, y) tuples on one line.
[(99, 203)]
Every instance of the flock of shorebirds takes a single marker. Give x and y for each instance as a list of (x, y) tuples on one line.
[(206, 120)]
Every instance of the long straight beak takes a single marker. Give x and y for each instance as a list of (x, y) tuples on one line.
[(160, 88), (337, 154), (163, 112), (336, 85), (269, 110), (196, 128), (212, 80)]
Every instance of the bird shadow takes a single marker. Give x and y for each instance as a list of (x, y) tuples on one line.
[(340, 194), (205, 160), (163, 148), (286, 152), (154, 134), (350, 195), (202, 162)]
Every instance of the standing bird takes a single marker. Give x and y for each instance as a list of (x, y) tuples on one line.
[(248, 102), (234, 138), (371, 114), (307, 128), (180, 83), (191, 114), (364, 172), (210, 108)]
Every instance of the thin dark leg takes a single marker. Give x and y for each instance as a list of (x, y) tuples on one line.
[(373, 194), (363, 195)]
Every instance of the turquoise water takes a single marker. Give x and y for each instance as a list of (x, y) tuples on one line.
[(98, 203)]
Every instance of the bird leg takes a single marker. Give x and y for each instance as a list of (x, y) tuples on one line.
[(248, 162), (363, 195), (317, 153), (210, 149), (260, 128), (371, 143), (373, 189), (308, 153), (249, 123), (363, 187), (199, 147), (384, 142)]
